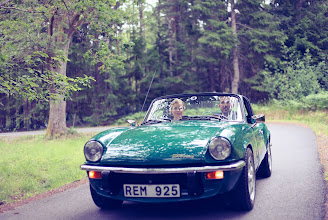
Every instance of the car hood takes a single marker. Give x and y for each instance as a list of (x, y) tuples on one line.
[(162, 144)]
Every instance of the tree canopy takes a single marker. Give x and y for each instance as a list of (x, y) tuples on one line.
[(94, 61)]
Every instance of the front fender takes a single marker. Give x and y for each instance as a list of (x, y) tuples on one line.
[(266, 134), (240, 137)]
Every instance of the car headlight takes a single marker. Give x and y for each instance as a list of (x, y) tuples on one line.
[(93, 151), (219, 148)]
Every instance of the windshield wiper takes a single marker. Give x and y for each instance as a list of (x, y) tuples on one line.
[(154, 121), (205, 117), (218, 116), (192, 118)]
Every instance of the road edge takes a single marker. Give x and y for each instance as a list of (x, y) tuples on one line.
[(12, 206)]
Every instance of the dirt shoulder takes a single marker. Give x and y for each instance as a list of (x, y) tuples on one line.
[(322, 142)]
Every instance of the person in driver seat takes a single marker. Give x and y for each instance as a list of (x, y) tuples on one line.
[(225, 105), (177, 108)]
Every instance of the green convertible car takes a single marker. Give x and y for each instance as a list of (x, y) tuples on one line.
[(188, 147)]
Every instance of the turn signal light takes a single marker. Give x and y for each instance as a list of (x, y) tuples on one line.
[(217, 175), (94, 175)]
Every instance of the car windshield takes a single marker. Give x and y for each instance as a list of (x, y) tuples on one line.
[(195, 107)]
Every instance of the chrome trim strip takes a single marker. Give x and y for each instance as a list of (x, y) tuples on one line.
[(235, 166)]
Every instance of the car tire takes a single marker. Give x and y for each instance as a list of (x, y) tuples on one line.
[(244, 194), (265, 168), (104, 202)]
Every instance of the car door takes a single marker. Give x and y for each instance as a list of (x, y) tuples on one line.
[(257, 130)]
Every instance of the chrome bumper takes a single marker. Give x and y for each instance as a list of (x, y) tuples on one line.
[(231, 167)]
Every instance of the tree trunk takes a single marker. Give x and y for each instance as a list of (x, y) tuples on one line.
[(142, 33), (57, 118), (211, 77), (8, 115), (171, 19), (176, 34), (98, 88), (57, 111), (299, 4), (61, 36), (160, 52), (236, 76), (26, 110), (142, 38)]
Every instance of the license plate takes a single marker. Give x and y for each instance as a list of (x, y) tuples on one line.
[(153, 191)]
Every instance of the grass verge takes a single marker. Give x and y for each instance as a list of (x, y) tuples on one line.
[(32, 165), (317, 120)]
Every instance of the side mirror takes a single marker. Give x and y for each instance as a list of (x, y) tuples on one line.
[(131, 122), (258, 118)]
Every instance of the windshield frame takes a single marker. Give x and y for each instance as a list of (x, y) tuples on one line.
[(238, 97)]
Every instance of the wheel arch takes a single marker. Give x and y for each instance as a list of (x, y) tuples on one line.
[(249, 145)]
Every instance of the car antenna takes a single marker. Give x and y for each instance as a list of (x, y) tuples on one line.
[(146, 97)]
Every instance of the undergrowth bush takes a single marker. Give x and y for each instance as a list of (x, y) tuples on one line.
[(294, 111), (311, 102), (316, 101)]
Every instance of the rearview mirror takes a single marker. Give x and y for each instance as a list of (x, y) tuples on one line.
[(258, 118), (131, 122)]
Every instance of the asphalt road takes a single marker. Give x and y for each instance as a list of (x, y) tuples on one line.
[(296, 190)]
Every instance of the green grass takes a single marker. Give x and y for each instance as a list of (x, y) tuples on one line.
[(317, 120), (32, 165)]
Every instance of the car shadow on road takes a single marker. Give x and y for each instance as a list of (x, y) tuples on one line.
[(200, 209)]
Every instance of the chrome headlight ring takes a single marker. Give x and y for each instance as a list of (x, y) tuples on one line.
[(93, 151), (219, 148)]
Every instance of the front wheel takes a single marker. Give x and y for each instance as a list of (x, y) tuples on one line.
[(104, 202), (244, 194)]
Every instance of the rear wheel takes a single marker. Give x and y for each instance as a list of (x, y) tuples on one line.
[(265, 168), (104, 202), (244, 194)]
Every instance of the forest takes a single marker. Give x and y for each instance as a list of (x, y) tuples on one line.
[(88, 63)]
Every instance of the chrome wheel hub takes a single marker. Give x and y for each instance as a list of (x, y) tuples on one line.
[(270, 157), (251, 179)]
